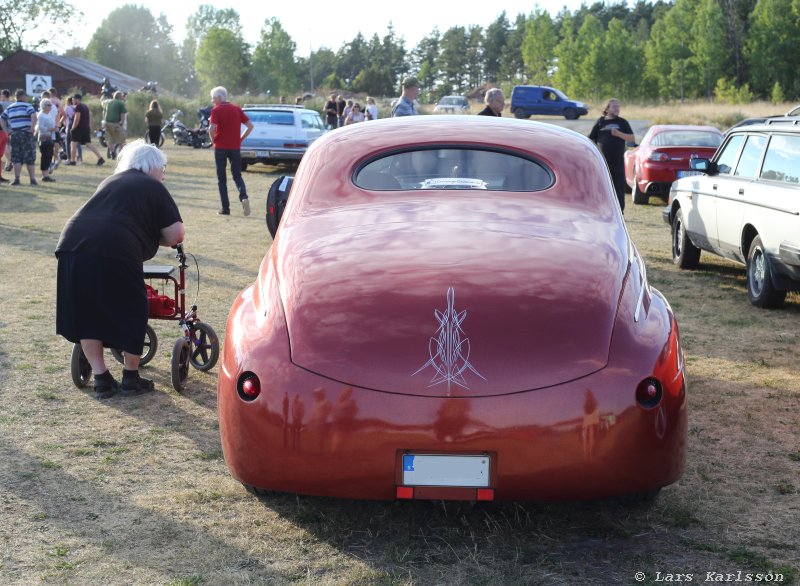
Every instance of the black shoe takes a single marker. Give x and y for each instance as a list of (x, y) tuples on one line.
[(33, 182), (48, 179), (4, 180), (100, 161), (105, 386), (70, 163), (135, 386), (224, 212), (15, 182)]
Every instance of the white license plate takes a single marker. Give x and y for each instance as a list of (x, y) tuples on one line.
[(264, 154), (248, 154), (688, 173), (445, 470)]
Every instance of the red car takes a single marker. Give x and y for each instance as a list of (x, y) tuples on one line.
[(452, 310), (663, 156)]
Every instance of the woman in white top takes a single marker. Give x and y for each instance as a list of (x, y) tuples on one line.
[(372, 109), (355, 115), (45, 133)]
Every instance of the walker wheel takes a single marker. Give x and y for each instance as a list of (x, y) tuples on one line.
[(205, 346), (150, 347), (80, 368), (180, 364)]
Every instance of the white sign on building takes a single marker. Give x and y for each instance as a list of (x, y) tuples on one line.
[(36, 84)]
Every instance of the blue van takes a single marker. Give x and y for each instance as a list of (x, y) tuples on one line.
[(543, 100)]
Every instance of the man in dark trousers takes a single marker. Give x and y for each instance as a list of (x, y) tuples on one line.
[(611, 132), (224, 128)]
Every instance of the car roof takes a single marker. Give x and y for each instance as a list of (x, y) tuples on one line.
[(275, 107), (668, 127), (785, 123)]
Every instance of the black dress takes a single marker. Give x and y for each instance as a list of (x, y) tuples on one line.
[(100, 285)]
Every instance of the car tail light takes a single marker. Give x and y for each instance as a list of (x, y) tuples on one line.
[(485, 494), (658, 156), (648, 393), (405, 492), (249, 386), (294, 145)]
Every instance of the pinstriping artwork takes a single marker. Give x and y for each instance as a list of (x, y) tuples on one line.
[(449, 348)]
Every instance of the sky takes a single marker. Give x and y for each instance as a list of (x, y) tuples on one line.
[(314, 24)]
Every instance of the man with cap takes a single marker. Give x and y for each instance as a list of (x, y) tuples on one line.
[(405, 105)]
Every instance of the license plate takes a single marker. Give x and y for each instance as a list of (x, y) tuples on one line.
[(445, 470), (264, 154), (688, 173), (248, 154)]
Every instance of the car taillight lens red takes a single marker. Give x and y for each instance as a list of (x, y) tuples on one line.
[(648, 393), (249, 386), (657, 156)]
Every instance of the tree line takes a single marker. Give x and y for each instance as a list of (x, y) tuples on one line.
[(736, 50)]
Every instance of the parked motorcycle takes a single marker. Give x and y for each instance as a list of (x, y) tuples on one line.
[(183, 135)]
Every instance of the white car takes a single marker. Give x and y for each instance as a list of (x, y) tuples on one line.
[(281, 133), (745, 206), (452, 105)]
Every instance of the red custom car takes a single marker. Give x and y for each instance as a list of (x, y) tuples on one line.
[(452, 311), (663, 156)]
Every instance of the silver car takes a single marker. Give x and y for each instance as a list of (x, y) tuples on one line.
[(745, 206), (281, 133), (452, 105)]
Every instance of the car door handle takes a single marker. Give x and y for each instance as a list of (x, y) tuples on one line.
[(741, 191), (714, 187)]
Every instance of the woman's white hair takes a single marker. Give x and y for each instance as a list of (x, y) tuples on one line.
[(220, 92), (492, 94), (140, 155), (45, 102)]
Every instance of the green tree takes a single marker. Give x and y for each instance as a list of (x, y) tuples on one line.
[(622, 62), (538, 47), (132, 41), (588, 69), (198, 24), (708, 44), (374, 80), (222, 60), (494, 43), (474, 56), (567, 57), (274, 67), (669, 58), (351, 58), (772, 47), (512, 66), (29, 24), (318, 66), (452, 61), (424, 59)]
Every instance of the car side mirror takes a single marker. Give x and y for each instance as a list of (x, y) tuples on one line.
[(702, 165), (276, 202)]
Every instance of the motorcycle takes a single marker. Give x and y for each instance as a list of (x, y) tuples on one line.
[(183, 135)]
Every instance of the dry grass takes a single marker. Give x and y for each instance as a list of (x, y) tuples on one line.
[(136, 492)]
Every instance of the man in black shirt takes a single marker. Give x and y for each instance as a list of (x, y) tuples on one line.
[(611, 133)]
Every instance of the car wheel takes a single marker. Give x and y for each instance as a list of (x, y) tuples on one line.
[(244, 166), (639, 197), (520, 113), (760, 289), (684, 254), (570, 114)]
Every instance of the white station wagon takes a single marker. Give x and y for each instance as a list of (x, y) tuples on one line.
[(745, 206), (281, 133)]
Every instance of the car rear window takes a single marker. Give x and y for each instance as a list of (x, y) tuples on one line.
[(270, 117), (688, 138), (780, 164), (454, 168)]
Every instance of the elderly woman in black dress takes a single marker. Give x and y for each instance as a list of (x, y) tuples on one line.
[(101, 293)]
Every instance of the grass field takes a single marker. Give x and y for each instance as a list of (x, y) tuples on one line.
[(135, 491)]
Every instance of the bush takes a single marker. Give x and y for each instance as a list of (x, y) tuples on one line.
[(727, 92)]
